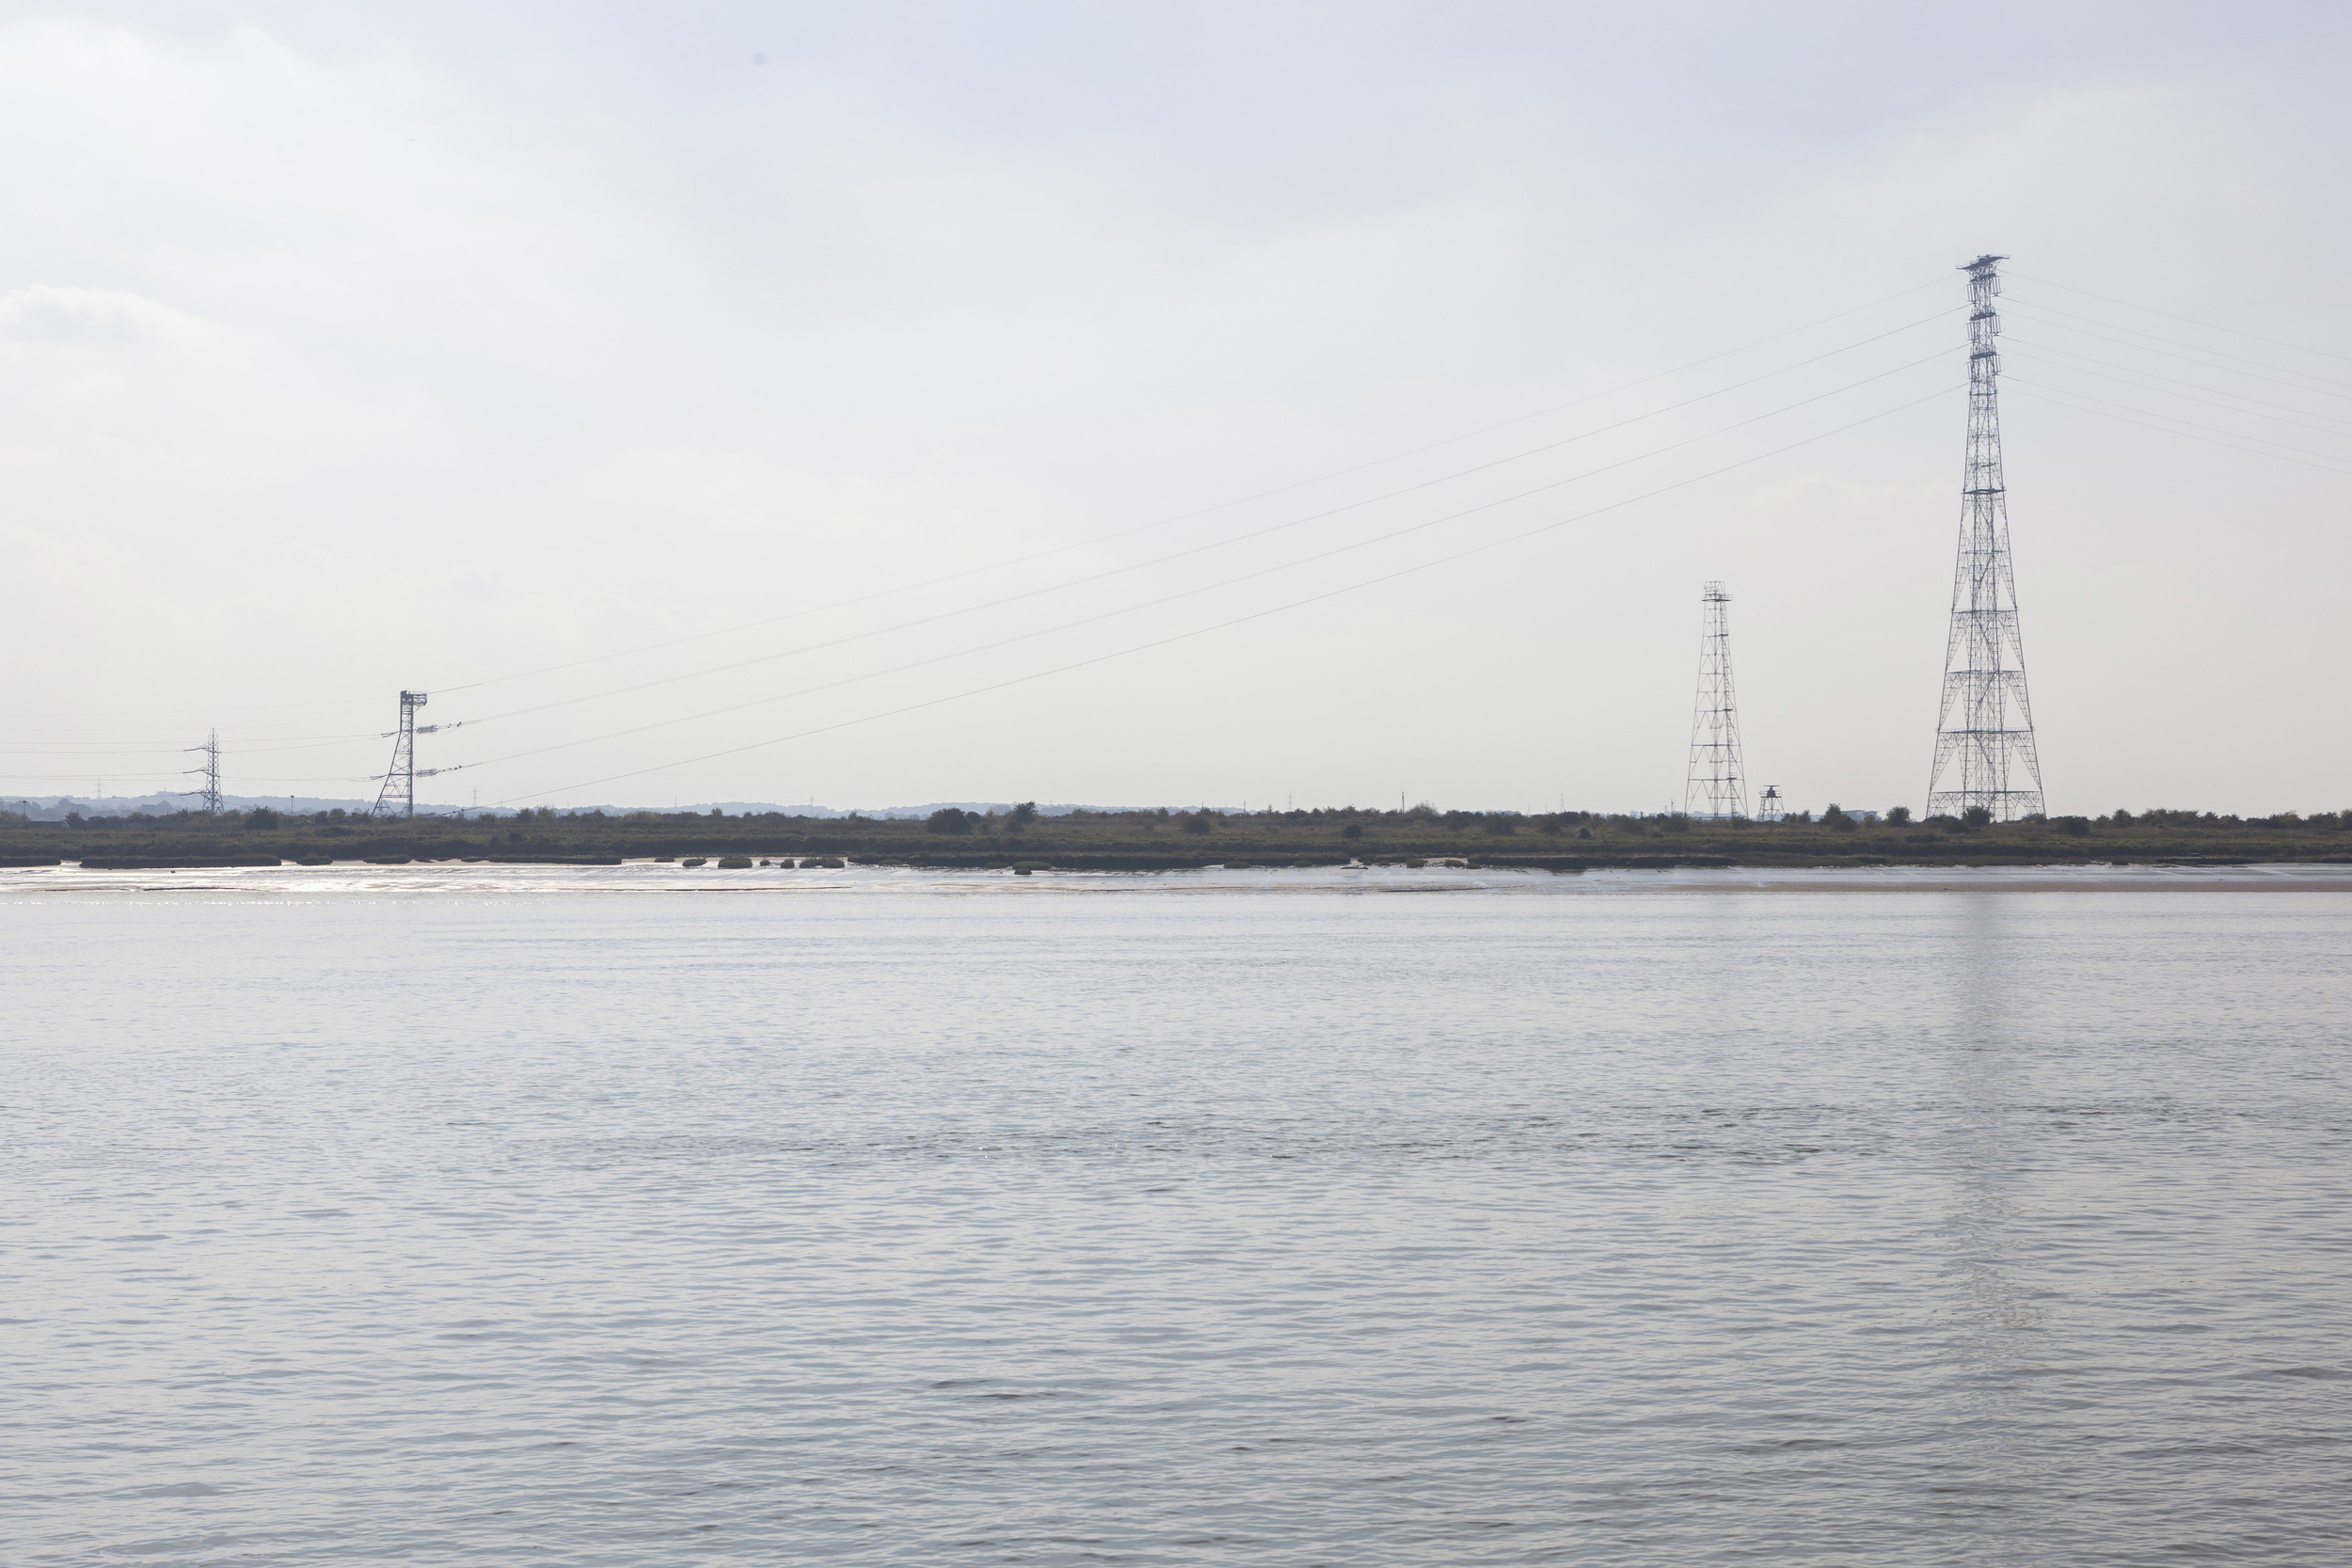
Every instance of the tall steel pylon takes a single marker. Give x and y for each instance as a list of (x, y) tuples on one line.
[(1716, 785), (1986, 725), (398, 797), (210, 793)]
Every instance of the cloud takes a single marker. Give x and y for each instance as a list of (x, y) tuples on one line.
[(43, 314), (355, 354)]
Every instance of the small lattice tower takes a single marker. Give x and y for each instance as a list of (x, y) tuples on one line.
[(1716, 785), (398, 797), (210, 793), (1984, 744)]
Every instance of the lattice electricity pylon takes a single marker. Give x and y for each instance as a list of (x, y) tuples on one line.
[(398, 797), (209, 769), (212, 773), (1986, 723), (1716, 785)]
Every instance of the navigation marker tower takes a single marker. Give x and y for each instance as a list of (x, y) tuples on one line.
[(1984, 746), (1715, 785), (398, 797)]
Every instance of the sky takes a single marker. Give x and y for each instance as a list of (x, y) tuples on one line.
[(1241, 403)]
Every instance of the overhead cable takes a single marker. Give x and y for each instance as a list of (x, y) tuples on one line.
[(1254, 615), (2226, 369), (2141, 378), (2045, 396), (2300, 348), (1149, 604), (1220, 506)]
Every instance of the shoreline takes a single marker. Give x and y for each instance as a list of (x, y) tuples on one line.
[(658, 876)]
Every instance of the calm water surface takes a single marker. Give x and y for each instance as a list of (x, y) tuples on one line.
[(1145, 1227)]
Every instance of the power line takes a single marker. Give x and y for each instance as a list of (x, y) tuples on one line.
[(184, 773), (2253, 452), (2140, 379), (2209, 365), (2192, 424), (292, 744), (1153, 604), (303, 744), (1221, 625), (2300, 348), (1029, 593), (2054, 311), (1227, 505), (166, 748)]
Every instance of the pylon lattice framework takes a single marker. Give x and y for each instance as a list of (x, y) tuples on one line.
[(1984, 740), (1716, 785), (210, 793), (398, 797)]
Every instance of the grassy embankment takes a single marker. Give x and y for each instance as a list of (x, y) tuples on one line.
[(1565, 841)]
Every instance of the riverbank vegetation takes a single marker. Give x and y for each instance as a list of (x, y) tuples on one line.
[(1169, 839)]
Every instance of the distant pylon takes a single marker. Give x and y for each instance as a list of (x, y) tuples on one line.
[(1986, 723), (210, 793), (1716, 785), (398, 797)]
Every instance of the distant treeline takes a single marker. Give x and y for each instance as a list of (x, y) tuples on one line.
[(1173, 838)]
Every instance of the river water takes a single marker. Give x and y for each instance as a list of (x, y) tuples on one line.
[(490, 1216)]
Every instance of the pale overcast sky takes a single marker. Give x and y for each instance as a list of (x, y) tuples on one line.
[(350, 347)]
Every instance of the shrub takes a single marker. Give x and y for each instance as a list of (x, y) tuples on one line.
[(1351, 830), (1978, 816), (1499, 827), (260, 816), (1674, 822), (1196, 823), (948, 819), (2074, 827), (1585, 833), (1026, 813), (1899, 814)]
